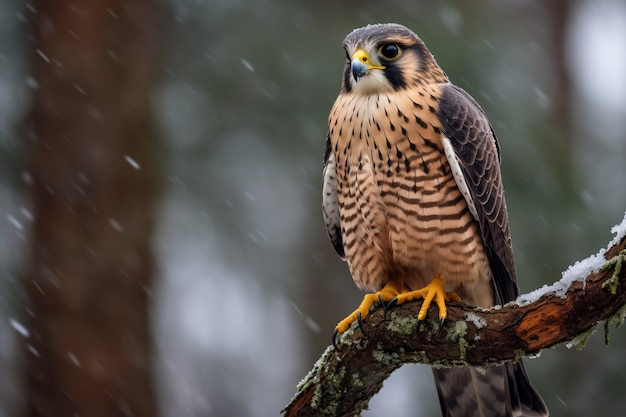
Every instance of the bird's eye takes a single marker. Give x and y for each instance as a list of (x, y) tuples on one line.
[(389, 51)]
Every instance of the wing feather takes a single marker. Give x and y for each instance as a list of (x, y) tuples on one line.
[(330, 201), (472, 146)]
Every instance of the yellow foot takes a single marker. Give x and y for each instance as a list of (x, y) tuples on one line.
[(386, 294), (433, 291), (392, 295)]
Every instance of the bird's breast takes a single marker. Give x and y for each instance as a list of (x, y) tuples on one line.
[(401, 210)]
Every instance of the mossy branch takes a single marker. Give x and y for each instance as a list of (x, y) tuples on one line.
[(343, 381)]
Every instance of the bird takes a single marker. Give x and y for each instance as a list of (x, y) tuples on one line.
[(412, 199)]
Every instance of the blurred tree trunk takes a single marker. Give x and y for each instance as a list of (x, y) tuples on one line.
[(559, 13), (92, 176)]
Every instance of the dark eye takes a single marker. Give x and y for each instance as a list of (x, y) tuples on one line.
[(389, 51)]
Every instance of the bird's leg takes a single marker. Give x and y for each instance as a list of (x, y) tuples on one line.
[(392, 295), (433, 291), (387, 293)]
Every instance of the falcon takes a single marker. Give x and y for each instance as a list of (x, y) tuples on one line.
[(413, 201)]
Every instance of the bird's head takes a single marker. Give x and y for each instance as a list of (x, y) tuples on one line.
[(387, 57)]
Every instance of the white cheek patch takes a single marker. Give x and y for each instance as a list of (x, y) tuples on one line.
[(374, 81), (457, 173)]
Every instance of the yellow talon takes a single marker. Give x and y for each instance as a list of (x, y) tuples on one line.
[(433, 291), (386, 294)]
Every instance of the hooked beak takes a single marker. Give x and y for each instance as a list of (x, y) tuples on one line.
[(359, 69), (361, 64)]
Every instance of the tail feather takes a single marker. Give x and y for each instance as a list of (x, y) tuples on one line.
[(502, 391), (530, 402)]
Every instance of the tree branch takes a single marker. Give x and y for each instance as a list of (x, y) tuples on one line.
[(343, 381)]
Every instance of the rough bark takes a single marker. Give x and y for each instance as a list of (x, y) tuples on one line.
[(92, 178), (343, 380)]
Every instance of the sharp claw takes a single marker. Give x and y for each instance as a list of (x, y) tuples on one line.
[(418, 328), (382, 303), (360, 322), (441, 322), (392, 303), (335, 336)]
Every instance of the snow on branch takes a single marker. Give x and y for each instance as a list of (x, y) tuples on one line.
[(343, 380)]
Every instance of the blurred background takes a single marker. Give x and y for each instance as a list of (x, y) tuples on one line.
[(162, 250)]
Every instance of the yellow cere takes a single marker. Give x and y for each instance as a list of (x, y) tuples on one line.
[(364, 57)]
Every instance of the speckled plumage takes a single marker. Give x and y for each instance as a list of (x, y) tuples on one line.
[(412, 190)]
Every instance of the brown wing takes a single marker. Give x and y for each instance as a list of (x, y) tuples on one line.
[(475, 158), (330, 201), (476, 152)]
